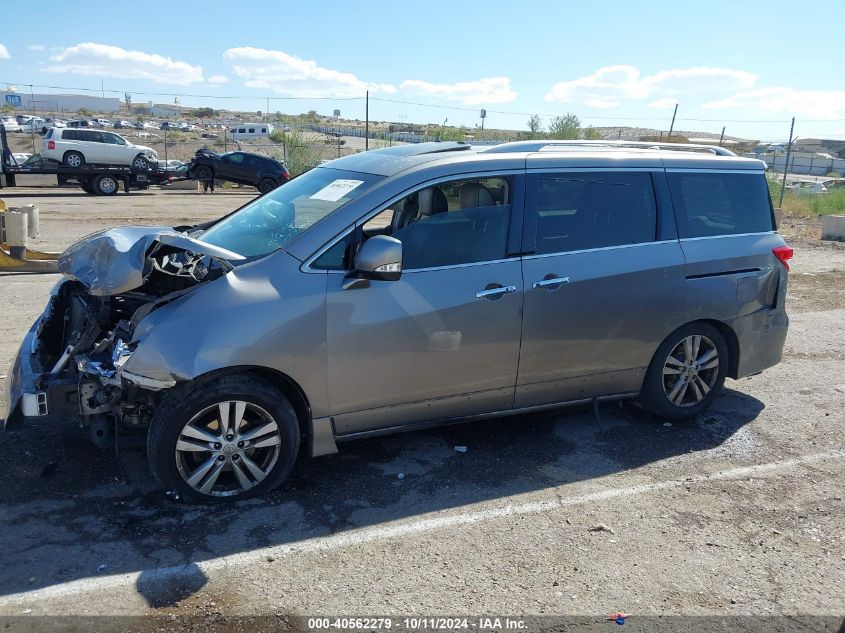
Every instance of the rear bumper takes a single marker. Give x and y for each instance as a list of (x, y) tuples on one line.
[(761, 337)]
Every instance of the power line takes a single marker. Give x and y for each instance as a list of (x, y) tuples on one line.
[(406, 102), (182, 94)]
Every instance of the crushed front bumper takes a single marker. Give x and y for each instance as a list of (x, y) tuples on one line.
[(29, 393)]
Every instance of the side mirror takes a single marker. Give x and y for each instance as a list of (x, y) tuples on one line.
[(380, 258)]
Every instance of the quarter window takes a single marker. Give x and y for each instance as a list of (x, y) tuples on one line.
[(709, 203), (577, 211)]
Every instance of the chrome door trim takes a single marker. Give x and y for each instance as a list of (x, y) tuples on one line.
[(708, 170), (721, 237), (494, 292), (554, 281), (601, 248)]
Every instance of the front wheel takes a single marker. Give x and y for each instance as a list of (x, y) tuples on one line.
[(141, 162), (223, 440), (686, 373)]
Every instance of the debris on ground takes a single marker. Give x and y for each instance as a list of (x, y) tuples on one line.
[(461, 449), (401, 475), (601, 527)]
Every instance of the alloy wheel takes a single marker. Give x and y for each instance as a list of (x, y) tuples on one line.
[(690, 371), (228, 448)]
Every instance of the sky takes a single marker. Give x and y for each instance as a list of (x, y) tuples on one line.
[(749, 66)]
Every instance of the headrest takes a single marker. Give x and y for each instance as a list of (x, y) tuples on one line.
[(473, 195), (432, 201)]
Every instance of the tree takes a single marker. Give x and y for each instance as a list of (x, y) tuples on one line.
[(535, 126), (202, 113), (565, 127), (592, 134)]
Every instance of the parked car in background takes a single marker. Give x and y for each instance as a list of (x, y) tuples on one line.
[(77, 123), (240, 167), (411, 287), (246, 131), (51, 122), (807, 187), (34, 125), (123, 125), (10, 124), (103, 122), (75, 147)]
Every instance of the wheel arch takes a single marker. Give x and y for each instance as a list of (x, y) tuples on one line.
[(292, 390), (727, 332)]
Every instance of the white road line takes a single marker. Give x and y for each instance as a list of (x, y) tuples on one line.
[(398, 529)]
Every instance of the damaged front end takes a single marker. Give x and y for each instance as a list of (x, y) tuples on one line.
[(71, 363)]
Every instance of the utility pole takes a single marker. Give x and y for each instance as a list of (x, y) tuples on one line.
[(367, 121), (786, 162), (672, 126), (722, 137)]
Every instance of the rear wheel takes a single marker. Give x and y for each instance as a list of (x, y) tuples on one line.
[(223, 440), (686, 373), (73, 159), (266, 184), (106, 185)]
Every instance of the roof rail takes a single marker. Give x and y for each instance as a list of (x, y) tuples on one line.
[(536, 146)]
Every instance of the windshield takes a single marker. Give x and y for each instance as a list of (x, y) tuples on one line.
[(273, 220)]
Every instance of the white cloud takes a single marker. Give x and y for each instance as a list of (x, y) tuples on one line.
[(103, 60), (480, 92), (4, 52), (667, 103), (289, 75), (611, 85), (36, 47), (821, 104), (217, 80)]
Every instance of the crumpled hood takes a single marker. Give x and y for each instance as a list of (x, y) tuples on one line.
[(116, 260)]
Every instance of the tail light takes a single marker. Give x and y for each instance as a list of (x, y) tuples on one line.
[(51, 144), (784, 254)]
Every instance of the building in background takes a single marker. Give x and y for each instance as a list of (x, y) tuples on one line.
[(58, 102)]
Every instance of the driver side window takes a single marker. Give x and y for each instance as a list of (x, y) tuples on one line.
[(457, 222)]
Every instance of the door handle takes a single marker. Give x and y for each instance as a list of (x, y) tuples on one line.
[(492, 293), (550, 281)]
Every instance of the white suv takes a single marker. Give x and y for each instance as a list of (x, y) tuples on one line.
[(75, 147)]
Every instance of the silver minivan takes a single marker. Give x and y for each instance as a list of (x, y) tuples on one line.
[(407, 287)]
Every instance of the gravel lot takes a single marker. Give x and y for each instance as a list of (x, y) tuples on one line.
[(739, 512)]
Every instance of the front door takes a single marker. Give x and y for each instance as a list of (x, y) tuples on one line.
[(603, 287), (443, 340)]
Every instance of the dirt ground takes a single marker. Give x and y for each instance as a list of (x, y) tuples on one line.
[(738, 513)]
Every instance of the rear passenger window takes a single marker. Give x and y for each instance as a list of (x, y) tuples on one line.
[(708, 204), (579, 211), (70, 135)]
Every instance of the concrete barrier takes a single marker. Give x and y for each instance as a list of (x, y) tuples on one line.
[(833, 227)]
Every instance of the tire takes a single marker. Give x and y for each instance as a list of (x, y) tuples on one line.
[(140, 162), (188, 453), (682, 379), (266, 185), (106, 185), (73, 159)]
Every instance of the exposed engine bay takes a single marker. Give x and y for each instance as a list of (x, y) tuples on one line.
[(114, 279)]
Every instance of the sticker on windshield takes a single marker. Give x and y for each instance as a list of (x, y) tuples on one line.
[(336, 190)]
